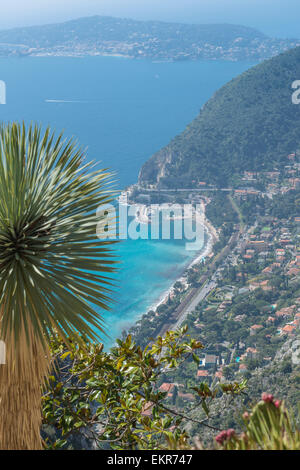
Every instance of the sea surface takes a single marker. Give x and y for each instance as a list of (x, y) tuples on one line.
[(121, 111)]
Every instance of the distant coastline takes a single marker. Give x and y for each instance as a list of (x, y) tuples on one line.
[(154, 40)]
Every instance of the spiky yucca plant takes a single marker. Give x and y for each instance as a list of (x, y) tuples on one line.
[(53, 269), (268, 426)]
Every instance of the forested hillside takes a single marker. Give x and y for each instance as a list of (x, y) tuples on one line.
[(249, 124)]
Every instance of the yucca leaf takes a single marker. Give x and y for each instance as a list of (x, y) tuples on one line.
[(54, 271)]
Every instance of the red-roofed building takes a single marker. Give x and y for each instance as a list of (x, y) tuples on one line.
[(251, 353), (167, 387), (254, 329), (294, 272), (202, 373), (285, 241), (286, 312), (219, 374), (267, 270), (288, 329)]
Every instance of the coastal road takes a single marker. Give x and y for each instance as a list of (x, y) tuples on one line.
[(188, 305), (204, 291), (208, 283), (181, 190)]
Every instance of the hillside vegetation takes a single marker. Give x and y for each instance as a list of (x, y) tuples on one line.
[(249, 124)]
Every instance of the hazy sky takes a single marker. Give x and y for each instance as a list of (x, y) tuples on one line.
[(276, 17)]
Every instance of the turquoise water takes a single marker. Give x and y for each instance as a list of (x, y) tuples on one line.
[(122, 111)]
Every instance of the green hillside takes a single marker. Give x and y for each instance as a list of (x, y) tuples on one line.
[(249, 124)]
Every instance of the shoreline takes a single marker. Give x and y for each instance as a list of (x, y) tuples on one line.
[(142, 217), (205, 251)]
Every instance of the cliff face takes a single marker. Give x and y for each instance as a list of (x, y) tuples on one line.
[(156, 168), (250, 124)]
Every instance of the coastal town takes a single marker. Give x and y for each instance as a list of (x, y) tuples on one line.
[(158, 41), (154, 50), (243, 300)]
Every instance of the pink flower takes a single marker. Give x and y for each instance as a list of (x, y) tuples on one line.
[(267, 398), (224, 436), (277, 403), (246, 415), (230, 433)]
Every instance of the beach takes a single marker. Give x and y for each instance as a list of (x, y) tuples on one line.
[(206, 251), (143, 216)]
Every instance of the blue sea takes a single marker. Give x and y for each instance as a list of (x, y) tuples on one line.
[(121, 111)]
